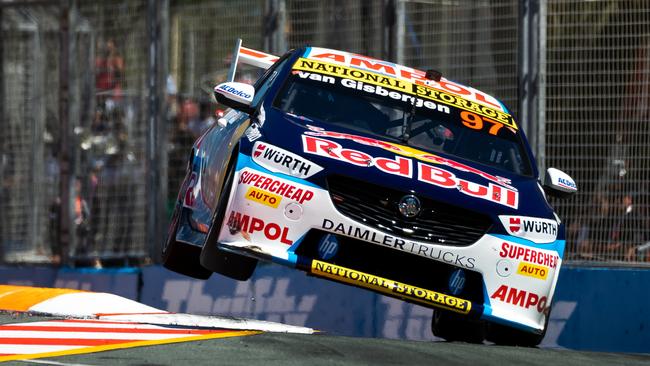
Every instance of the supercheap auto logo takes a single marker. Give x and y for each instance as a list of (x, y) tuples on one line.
[(271, 189), (533, 263), (390, 287)]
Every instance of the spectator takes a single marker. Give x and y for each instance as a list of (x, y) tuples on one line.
[(625, 233), (190, 116), (109, 71), (181, 142), (81, 218)]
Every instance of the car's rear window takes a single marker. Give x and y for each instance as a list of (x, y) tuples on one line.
[(405, 118)]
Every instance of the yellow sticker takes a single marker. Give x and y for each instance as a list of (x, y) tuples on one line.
[(263, 197), (390, 287), (388, 82), (532, 270)]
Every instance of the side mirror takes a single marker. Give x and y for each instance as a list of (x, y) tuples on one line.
[(235, 95), (558, 183)]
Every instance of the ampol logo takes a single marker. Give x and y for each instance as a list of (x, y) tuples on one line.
[(535, 229)]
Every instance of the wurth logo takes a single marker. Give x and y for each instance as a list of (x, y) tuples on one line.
[(259, 149), (279, 160), (532, 228), (515, 224)]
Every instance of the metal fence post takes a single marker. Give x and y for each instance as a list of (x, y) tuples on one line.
[(157, 11), (388, 28), (274, 40), (400, 33), (541, 88), (529, 71), (65, 144), (2, 118)]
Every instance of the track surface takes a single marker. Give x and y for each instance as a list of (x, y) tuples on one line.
[(290, 349)]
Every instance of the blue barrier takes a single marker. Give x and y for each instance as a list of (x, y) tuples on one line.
[(123, 281), (605, 309), (280, 294), (597, 309), (27, 276)]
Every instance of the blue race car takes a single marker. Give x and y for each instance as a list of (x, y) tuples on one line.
[(379, 176)]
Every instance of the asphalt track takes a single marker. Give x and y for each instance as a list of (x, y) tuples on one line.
[(296, 349)]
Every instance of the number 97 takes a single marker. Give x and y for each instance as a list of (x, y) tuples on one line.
[(476, 122)]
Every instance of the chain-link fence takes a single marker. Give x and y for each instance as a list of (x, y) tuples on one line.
[(28, 173), (96, 96), (472, 42), (597, 115)]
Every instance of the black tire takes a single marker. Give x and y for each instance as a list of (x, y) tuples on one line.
[(180, 257), (507, 336), (454, 327), (235, 266)]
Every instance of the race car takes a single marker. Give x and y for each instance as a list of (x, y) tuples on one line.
[(379, 176)]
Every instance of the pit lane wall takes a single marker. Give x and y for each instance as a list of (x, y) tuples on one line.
[(597, 309)]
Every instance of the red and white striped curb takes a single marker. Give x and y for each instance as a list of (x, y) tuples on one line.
[(70, 336)]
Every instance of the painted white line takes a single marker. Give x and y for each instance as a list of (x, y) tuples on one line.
[(48, 362), (188, 320), (87, 324), (23, 349), (88, 335), (82, 304)]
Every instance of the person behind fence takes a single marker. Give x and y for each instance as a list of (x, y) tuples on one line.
[(109, 72), (625, 235), (81, 218), (595, 231)]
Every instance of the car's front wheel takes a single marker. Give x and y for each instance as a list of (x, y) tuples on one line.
[(181, 257), (231, 265), (454, 327)]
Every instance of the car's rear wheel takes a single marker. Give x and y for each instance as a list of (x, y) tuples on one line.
[(231, 265), (507, 336), (180, 257), (454, 327)]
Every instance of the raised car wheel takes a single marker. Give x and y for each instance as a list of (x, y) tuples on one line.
[(507, 336), (180, 257), (454, 327), (231, 265)]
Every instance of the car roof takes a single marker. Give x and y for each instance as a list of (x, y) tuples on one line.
[(403, 73)]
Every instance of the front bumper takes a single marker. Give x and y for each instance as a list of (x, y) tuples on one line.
[(270, 215)]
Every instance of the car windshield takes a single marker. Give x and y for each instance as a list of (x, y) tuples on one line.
[(403, 118)]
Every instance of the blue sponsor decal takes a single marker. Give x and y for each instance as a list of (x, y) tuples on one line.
[(456, 282), (233, 91), (567, 183), (327, 247)]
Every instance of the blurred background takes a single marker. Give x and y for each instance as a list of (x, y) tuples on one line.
[(101, 101)]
